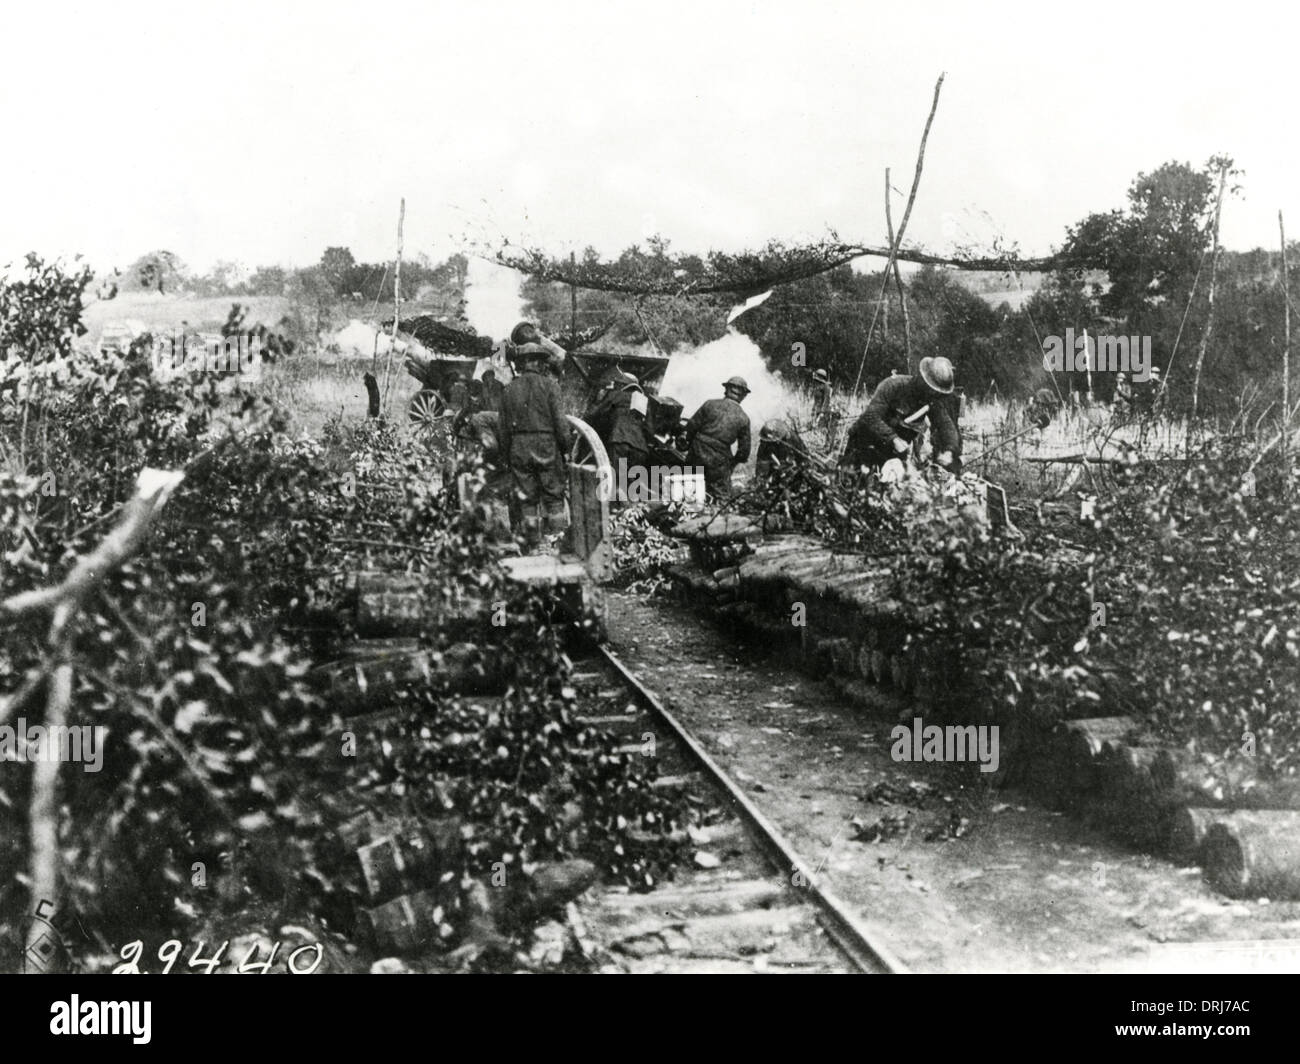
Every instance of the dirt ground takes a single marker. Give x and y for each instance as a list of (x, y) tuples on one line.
[(960, 877)]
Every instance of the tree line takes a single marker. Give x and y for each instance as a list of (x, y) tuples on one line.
[(1138, 270)]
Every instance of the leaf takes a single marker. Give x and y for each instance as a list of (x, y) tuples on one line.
[(189, 715)]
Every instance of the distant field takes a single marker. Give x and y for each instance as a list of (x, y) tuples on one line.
[(206, 313), (1016, 297)]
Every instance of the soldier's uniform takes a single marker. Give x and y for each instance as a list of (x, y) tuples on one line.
[(492, 389), (896, 411), (457, 395), (779, 448), (534, 437), (711, 433), (621, 428), (821, 393), (1041, 409)]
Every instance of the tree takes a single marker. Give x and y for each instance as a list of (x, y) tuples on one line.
[(336, 264), (162, 270), (311, 303), (268, 281), (1152, 250)]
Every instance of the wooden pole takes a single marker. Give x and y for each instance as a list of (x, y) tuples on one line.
[(902, 228), (1214, 261), (43, 813), (898, 280), (65, 601), (1286, 360), (397, 299), (573, 301)]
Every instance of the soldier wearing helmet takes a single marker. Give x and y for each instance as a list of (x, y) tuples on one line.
[(892, 422), (526, 334), (716, 427), (780, 448), (1041, 409), (534, 435), (619, 421)]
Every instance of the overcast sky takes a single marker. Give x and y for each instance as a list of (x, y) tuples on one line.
[(263, 132)]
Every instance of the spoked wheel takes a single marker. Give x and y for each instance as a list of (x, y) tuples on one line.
[(425, 409), (587, 449)]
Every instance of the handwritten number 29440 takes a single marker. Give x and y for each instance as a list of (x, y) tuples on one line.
[(171, 950)]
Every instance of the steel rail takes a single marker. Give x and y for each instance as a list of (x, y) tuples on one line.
[(857, 941)]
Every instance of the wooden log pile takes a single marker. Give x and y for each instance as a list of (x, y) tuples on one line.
[(406, 862), (831, 612)]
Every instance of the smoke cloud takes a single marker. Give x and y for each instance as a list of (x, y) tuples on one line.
[(492, 301), (694, 376)]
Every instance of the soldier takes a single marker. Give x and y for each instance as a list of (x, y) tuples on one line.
[(1041, 409), (710, 434), (891, 424), (457, 394), (492, 389), (534, 436), (620, 425), (821, 390), (780, 447), (526, 333)]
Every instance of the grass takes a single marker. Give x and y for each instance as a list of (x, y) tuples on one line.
[(317, 386), (166, 313)]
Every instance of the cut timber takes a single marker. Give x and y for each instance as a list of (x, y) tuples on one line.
[(405, 924), (404, 862), (720, 528), (388, 604), (394, 604), (1080, 743), (1187, 828), (568, 581), (1129, 800), (360, 684), (1254, 854)]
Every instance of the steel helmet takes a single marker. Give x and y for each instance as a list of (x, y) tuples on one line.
[(938, 374), (523, 333), (820, 375), (737, 383)]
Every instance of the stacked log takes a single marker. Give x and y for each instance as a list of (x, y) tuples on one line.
[(402, 868), (1129, 799), (372, 673), (1143, 793), (1254, 854), (1187, 829)]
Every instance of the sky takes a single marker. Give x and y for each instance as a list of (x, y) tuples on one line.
[(264, 132)]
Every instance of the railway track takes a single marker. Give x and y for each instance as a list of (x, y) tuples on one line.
[(751, 902), (748, 901)]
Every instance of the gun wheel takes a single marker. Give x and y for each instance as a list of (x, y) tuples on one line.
[(587, 450), (425, 410)]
